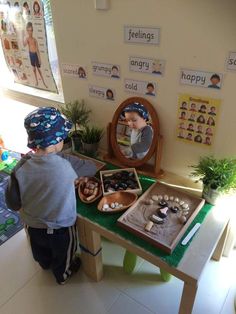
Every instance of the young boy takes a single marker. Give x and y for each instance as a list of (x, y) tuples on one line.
[(42, 187), (34, 55), (141, 135)]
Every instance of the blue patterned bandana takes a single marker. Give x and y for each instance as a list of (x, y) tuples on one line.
[(137, 107), (46, 126)]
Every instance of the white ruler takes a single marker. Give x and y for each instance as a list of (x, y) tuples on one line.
[(191, 234)]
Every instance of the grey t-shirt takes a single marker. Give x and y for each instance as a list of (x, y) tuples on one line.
[(141, 141), (43, 186)]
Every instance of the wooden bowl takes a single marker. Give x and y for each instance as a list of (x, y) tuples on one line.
[(122, 197), (81, 187)]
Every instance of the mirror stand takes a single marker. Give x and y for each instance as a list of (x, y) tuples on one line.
[(154, 170)]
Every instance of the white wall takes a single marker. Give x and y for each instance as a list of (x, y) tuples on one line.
[(194, 34)]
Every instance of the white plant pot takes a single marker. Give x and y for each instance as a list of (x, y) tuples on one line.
[(210, 195)]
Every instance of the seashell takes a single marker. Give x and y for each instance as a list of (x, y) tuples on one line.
[(162, 213)]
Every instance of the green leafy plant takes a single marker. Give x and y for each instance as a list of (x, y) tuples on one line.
[(78, 114), (91, 135), (218, 174)]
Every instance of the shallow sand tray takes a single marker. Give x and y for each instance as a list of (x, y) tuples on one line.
[(167, 233)]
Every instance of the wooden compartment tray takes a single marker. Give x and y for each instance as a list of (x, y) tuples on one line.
[(107, 173), (168, 234)]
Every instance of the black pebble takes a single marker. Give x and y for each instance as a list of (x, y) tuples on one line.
[(163, 203), (174, 209)]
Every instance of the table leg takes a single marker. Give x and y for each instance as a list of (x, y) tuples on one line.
[(91, 254), (129, 262), (188, 298), (221, 244)]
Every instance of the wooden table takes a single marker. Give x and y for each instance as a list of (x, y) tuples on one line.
[(208, 242)]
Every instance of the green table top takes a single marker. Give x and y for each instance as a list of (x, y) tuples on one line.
[(108, 221)]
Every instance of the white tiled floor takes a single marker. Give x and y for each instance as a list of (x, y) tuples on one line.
[(26, 289)]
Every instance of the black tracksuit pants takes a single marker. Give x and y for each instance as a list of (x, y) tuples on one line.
[(55, 249)]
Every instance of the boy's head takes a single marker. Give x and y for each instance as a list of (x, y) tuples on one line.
[(29, 27), (215, 79), (45, 127), (150, 88), (136, 115)]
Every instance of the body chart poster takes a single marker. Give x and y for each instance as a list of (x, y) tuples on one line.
[(197, 119), (24, 42)]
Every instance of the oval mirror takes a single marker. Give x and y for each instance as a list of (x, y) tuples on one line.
[(134, 131)]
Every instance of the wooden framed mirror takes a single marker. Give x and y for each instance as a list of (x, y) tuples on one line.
[(134, 136)]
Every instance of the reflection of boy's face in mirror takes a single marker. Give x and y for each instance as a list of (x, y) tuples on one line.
[(134, 120)]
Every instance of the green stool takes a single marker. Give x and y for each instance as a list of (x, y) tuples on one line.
[(129, 263)]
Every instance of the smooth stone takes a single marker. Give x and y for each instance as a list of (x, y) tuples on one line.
[(182, 219), (185, 213), (185, 206), (155, 198), (174, 209), (105, 206), (157, 219), (166, 197), (149, 226), (163, 203), (171, 198), (149, 202), (177, 200), (181, 203), (113, 205), (160, 197)]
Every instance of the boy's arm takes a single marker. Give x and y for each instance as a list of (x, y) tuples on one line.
[(83, 168), (37, 49), (12, 195), (25, 40), (145, 143)]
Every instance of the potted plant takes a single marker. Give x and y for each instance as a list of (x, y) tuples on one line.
[(217, 175), (91, 137), (78, 114)]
